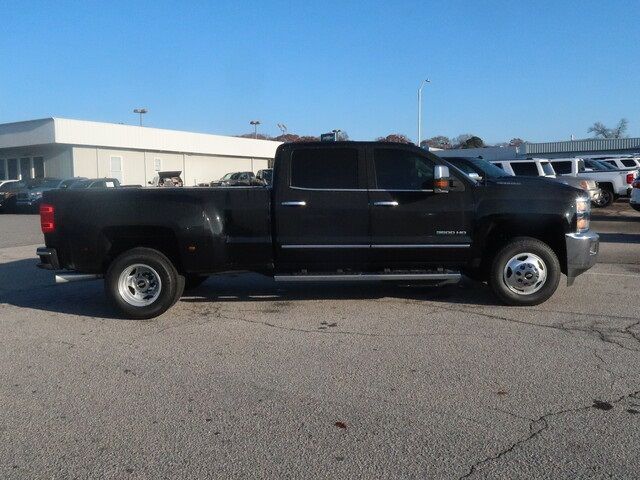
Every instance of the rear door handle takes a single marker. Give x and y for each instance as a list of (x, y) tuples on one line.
[(294, 204), (385, 204)]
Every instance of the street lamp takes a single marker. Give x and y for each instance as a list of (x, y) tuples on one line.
[(336, 132), (424, 82), (283, 128), (255, 124), (140, 111)]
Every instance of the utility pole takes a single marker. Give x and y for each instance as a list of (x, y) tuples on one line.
[(424, 82)]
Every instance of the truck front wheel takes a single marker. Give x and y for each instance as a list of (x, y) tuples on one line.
[(525, 272), (143, 283)]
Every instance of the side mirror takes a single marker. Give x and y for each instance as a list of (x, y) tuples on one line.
[(475, 176), (441, 179)]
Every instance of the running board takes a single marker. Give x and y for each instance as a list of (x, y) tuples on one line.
[(442, 278)]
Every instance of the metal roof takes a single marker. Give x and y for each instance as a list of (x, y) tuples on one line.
[(586, 145)]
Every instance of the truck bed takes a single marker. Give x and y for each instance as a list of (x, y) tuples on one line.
[(202, 229)]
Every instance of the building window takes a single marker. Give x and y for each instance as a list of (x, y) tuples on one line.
[(12, 168), (157, 164), (3, 169), (115, 168), (25, 168), (38, 167)]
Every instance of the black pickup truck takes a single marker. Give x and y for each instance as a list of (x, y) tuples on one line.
[(343, 211)]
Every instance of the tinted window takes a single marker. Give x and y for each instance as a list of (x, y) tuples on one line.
[(100, 184), (528, 169), (611, 162), (402, 170), (334, 168), (629, 163), (499, 165), (562, 167)]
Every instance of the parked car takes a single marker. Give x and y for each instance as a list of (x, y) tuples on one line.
[(95, 183), (339, 211), (266, 176), (530, 167), (614, 183), (634, 201), (170, 178), (8, 191), (4, 182), (237, 179)]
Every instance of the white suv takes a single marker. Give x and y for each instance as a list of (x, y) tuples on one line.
[(530, 167), (622, 162)]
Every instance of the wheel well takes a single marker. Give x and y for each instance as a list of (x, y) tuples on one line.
[(120, 239), (551, 233), (606, 186)]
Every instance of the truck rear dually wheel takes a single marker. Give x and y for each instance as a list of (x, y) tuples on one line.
[(143, 283), (525, 271)]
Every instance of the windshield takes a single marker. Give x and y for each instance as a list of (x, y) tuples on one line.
[(547, 168), (479, 166), (80, 184), (9, 186), (227, 176)]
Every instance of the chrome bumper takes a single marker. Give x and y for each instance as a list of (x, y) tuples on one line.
[(582, 253)]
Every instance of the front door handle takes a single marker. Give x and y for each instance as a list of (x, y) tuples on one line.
[(294, 204), (385, 204)]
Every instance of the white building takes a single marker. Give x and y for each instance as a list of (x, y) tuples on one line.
[(63, 148)]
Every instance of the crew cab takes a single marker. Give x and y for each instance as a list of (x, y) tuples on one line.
[(337, 211)]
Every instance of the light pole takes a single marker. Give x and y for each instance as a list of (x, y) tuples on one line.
[(255, 124), (336, 132), (283, 128), (424, 82), (140, 111)]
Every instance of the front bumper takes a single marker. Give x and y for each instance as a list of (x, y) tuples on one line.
[(48, 258), (582, 253)]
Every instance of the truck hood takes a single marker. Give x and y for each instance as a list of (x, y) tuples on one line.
[(535, 183)]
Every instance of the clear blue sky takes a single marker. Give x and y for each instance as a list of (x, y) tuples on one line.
[(540, 70)]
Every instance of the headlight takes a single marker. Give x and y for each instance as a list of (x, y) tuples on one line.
[(583, 214)]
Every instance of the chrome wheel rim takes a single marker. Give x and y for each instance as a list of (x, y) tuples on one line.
[(525, 273), (139, 285)]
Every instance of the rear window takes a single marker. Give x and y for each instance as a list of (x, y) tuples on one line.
[(528, 169), (629, 163), (563, 167), (330, 168)]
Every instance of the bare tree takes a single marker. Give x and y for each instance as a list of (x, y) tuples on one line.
[(473, 142), (259, 136), (395, 138), (600, 130), (461, 139), (516, 142), (439, 141)]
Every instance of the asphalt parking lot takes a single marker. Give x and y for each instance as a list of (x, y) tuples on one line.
[(245, 378)]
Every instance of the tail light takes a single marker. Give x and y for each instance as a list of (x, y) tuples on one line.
[(47, 218), (630, 178)]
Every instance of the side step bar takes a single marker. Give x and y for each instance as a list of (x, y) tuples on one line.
[(75, 277), (443, 278)]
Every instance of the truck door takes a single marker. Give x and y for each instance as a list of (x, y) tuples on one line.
[(321, 208), (411, 225)]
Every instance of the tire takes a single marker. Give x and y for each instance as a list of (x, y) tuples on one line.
[(606, 198), (142, 283), (192, 281), (525, 272)]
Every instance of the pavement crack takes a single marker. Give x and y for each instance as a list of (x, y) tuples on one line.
[(536, 427)]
